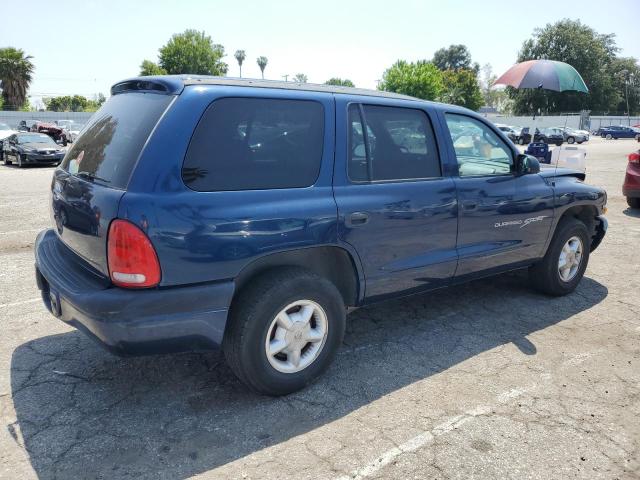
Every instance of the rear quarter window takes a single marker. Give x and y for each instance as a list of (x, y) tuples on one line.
[(255, 143), (112, 141)]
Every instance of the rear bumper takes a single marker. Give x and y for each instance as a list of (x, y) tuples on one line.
[(129, 321)]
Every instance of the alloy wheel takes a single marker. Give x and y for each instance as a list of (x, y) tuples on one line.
[(570, 259), (296, 336)]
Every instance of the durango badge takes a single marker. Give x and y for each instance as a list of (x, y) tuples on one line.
[(522, 223)]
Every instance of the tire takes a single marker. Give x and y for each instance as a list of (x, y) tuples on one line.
[(580, 143), (545, 275), (252, 321), (571, 140), (20, 164), (638, 137), (558, 144), (521, 141), (608, 136), (633, 202)]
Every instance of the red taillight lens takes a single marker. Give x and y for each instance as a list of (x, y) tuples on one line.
[(133, 262), (634, 157)]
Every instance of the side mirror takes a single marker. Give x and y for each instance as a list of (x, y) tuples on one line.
[(526, 164)]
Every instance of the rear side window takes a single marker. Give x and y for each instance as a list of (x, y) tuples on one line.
[(112, 141), (399, 144), (255, 143)]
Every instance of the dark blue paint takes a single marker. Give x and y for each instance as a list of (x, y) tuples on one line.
[(406, 236)]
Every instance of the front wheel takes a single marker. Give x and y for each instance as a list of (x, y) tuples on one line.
[(563, 266), (284, 330), (571, 140), (521, 141), (20, 163), (609, 136), (633, 202)]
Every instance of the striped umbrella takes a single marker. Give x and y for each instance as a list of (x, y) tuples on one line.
[(546, 74)]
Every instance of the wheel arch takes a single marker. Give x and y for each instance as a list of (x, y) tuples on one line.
[(331, 262), (587, 214)]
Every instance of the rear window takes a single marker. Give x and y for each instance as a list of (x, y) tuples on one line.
[(111, 143), (255, 143)]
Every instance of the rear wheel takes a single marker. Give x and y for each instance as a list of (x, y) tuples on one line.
[(563, 266), (20, 162), (520, 141), (633, 202), (609, 136), (284, 331)]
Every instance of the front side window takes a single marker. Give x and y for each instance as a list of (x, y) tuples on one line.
[(479, 151), (255, 143), (399, 144)]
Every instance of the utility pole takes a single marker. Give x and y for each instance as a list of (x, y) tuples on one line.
[(286, 77)]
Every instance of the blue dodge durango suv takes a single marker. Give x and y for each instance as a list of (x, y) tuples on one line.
[(196, 212)]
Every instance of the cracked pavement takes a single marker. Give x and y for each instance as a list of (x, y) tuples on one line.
[(484, 380)]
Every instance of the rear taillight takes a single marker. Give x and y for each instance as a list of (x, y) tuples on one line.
[(133, 262), (634, 157)]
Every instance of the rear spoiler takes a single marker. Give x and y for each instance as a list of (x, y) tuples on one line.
[(168, 85)]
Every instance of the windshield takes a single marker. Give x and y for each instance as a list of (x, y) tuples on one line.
[(36, 139)]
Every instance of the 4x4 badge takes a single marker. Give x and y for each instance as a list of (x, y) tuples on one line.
[(522, 223)]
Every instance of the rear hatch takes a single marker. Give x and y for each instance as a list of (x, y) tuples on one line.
[(95, 172)]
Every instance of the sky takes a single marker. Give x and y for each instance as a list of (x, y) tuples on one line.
[(83, 47)]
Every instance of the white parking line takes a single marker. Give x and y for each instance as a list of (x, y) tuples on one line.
[(23, 302), (425, 438)]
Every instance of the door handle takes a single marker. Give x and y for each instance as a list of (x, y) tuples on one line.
[(469, 205), (358, 218)]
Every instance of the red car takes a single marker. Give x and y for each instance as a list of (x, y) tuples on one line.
[(631, 186)]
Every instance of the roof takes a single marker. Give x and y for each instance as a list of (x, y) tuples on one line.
[(174, 84)]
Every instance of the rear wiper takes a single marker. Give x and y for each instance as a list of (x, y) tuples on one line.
[(92, 177)]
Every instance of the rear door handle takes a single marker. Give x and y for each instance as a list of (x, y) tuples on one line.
[(358, 218), (469, 205)]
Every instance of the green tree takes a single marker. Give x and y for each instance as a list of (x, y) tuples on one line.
[(461, 88), (16, 70), (262, 63), (454, 57), (300, 78), (240, 56), (147, 68), (493, 96), (579, 45), (340, 82), (192, 52), (75, 103), (626, 80), (420, 79)]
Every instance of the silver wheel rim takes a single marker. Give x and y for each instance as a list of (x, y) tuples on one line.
[(570, 259), (296, 336)]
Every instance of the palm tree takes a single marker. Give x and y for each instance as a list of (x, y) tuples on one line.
[(16, 71), (240, 56), (262, 63)]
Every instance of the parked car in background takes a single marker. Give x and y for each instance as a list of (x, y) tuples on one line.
[(508, 131), (5, 131), (551, 135), (71, 128), (206, 211), (572, 136), (522, 135), (25, 125), (57, 133), (619, 131), (25, 148), (631, 186)]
